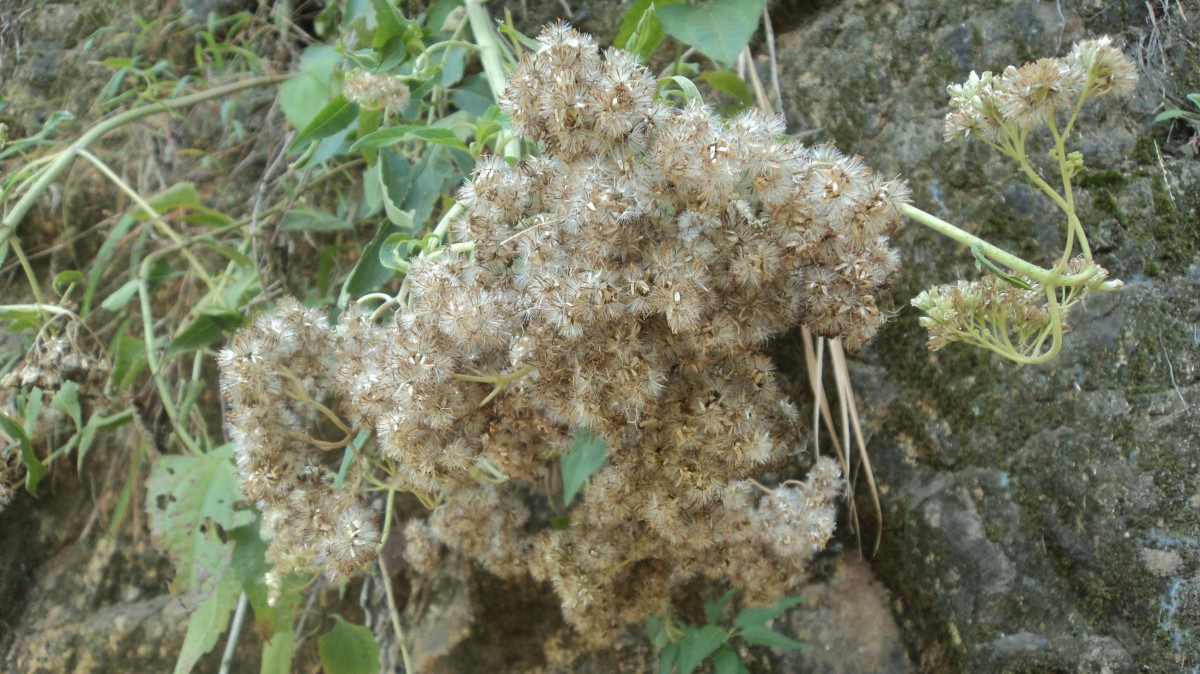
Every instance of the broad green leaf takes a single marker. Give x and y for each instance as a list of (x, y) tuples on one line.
[(34, 470), (586, 456), (389, 22), (277, 653), (719, 29), (728, 82), (21, 319), (473, 95), (725, 661), (337, 114), (305, 219), (302, 97), (208, 622), (432, 177), (697, 645), (760, 615), (95, 423), (349, 649), (764, 636), (368, 274), (657, 627), (187, 499)]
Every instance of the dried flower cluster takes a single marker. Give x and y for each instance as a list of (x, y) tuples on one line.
[(995, 106), (376, 90), (625, 281)]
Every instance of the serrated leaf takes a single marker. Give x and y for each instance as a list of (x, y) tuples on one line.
[(760, 615), (697, 645), (349, 649), (187, 498), (337, 114), (208, 622), (720, 29), (306, 219), (34, 469), (761, 635), (586, 456), (725, 661)]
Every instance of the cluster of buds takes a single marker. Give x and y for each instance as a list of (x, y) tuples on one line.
[(994, 107), (625, 281), (376, 90)]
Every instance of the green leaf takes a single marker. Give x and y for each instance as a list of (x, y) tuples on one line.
[(368, 273), (725, 661), (337, 114), (34, 470), (303, 96), (586, 456), (560, 522), (641, 31), (715, 608), (394, 252), (686, 88), (204, 331), (761, 635), (129, 357), (349, 649), (277, 653), (179, 195), (728, 82), (305, 219), (119, 298), (389, 22), (208, 622), (397, 134), (187, 499), (760, 615), (982, 261), (719, 29), (1174, 113), (103, 256), (657, 627), (668, 658), (64, 279), (22, 319), (1195, 99), (697, 645), (67, 402)]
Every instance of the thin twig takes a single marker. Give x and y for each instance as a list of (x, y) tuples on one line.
[(235, 629), (395, 614)]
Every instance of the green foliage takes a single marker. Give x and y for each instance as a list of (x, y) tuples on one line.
[(349, 649), (683, 646), (1190, 116), (719, 29), (586, 456)]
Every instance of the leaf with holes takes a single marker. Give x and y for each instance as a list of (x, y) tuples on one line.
[(187, 499)]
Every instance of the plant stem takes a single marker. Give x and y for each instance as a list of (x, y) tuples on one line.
[(999, 255), (63, 160)]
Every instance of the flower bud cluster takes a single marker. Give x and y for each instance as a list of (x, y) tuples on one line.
[(993, 106), (625, 281), (376, 90)]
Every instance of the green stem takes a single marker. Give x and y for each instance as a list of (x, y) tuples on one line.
[(994, 253), (63, 160), (489, 55)]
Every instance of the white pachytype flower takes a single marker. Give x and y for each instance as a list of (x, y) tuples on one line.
[(626, 281)]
